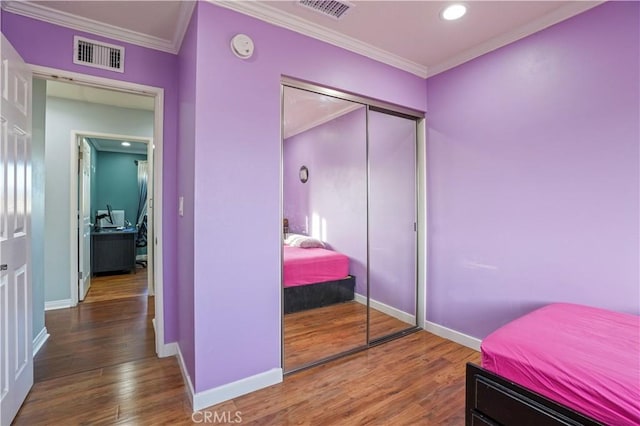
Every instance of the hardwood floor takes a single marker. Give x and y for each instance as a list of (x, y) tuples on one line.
[(99, 367), (120, 286), (322, 332)]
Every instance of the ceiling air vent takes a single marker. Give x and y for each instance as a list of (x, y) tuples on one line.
[(98, 54), (332, 8)]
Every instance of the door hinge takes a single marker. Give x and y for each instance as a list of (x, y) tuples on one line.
[(415, 226), (80, 275)]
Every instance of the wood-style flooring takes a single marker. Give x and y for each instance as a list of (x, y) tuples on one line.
[(322, 332), (99, 367)]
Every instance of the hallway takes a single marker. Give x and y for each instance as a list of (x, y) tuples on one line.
[(100, 366)]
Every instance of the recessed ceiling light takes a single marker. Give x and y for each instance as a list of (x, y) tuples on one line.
[(453, 12), (126, 144)]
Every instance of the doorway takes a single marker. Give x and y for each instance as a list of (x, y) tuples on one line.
[(154, 216), (351, 223), (115, 220)]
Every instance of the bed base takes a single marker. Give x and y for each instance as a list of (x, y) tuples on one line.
[(494, 400), (303, 297)]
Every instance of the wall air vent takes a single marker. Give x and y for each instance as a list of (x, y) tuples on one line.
[(98, 54), (332, 8)]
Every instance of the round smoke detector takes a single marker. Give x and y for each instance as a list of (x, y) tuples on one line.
[(242, 46)]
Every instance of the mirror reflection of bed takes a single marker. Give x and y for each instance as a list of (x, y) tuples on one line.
[(336, 187)]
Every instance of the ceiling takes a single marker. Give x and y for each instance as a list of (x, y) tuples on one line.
[(406, 34), (115, 145), (99, 96), (304, 110)]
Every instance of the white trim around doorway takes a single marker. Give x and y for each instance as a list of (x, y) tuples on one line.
[(157, 93), (76, 136)]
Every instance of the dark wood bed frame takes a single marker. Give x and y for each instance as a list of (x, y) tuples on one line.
[(317, 295), (494, 400)]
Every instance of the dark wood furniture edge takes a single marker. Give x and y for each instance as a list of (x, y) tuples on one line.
[(556, 413), (317, 295)]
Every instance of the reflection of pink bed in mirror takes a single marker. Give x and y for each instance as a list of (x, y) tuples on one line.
[(314, 276), (313, 265)]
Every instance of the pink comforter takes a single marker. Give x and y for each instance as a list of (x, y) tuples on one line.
[(313, 265), (585, 358)]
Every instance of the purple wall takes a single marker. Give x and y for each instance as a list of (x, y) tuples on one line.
[(237, 174), (336, 155), (44, 44), (392, 211), (186, 187), (533, 176)]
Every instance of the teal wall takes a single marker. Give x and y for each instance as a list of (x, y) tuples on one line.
[(37, 203), (117, 183)]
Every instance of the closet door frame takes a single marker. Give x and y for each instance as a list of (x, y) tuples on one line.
[(420, 186), (416, 326)]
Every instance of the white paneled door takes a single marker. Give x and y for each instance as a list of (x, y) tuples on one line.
[(84, 207), (16, 365)]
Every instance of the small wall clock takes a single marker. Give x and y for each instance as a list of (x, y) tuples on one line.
[(304, 174)]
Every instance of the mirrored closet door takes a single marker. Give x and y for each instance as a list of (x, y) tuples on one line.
[(392, 223), (324, 227), (349, 231)]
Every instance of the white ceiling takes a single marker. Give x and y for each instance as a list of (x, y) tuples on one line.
[(94, 95), (115, 145), (304, 110), (406, 34)]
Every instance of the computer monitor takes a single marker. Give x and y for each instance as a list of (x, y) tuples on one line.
[(110, 218)]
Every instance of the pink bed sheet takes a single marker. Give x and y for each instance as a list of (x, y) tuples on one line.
[(585, 358), (313, 265)]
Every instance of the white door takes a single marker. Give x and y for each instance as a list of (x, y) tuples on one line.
[(16, 365), (84, 234), (150, 213)]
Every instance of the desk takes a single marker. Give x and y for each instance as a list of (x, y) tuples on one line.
[(113, 250)]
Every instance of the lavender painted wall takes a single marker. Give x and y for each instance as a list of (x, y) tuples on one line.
[(186, 186), (533, 175), (237, 174), (392, 211), (41, 43), (336, 192)]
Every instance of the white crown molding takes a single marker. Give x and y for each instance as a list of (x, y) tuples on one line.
[(68, 20), (321, 120), (286, 20), (565, 12), (184, 17)]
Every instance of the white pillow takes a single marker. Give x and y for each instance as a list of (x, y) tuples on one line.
[(303, 241)]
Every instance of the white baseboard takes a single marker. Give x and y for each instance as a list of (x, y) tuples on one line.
[(185, 375), (386, 309), (453, 335), (168, 349), (240, 387), (229, 391), (57, 304), (39, 340)]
